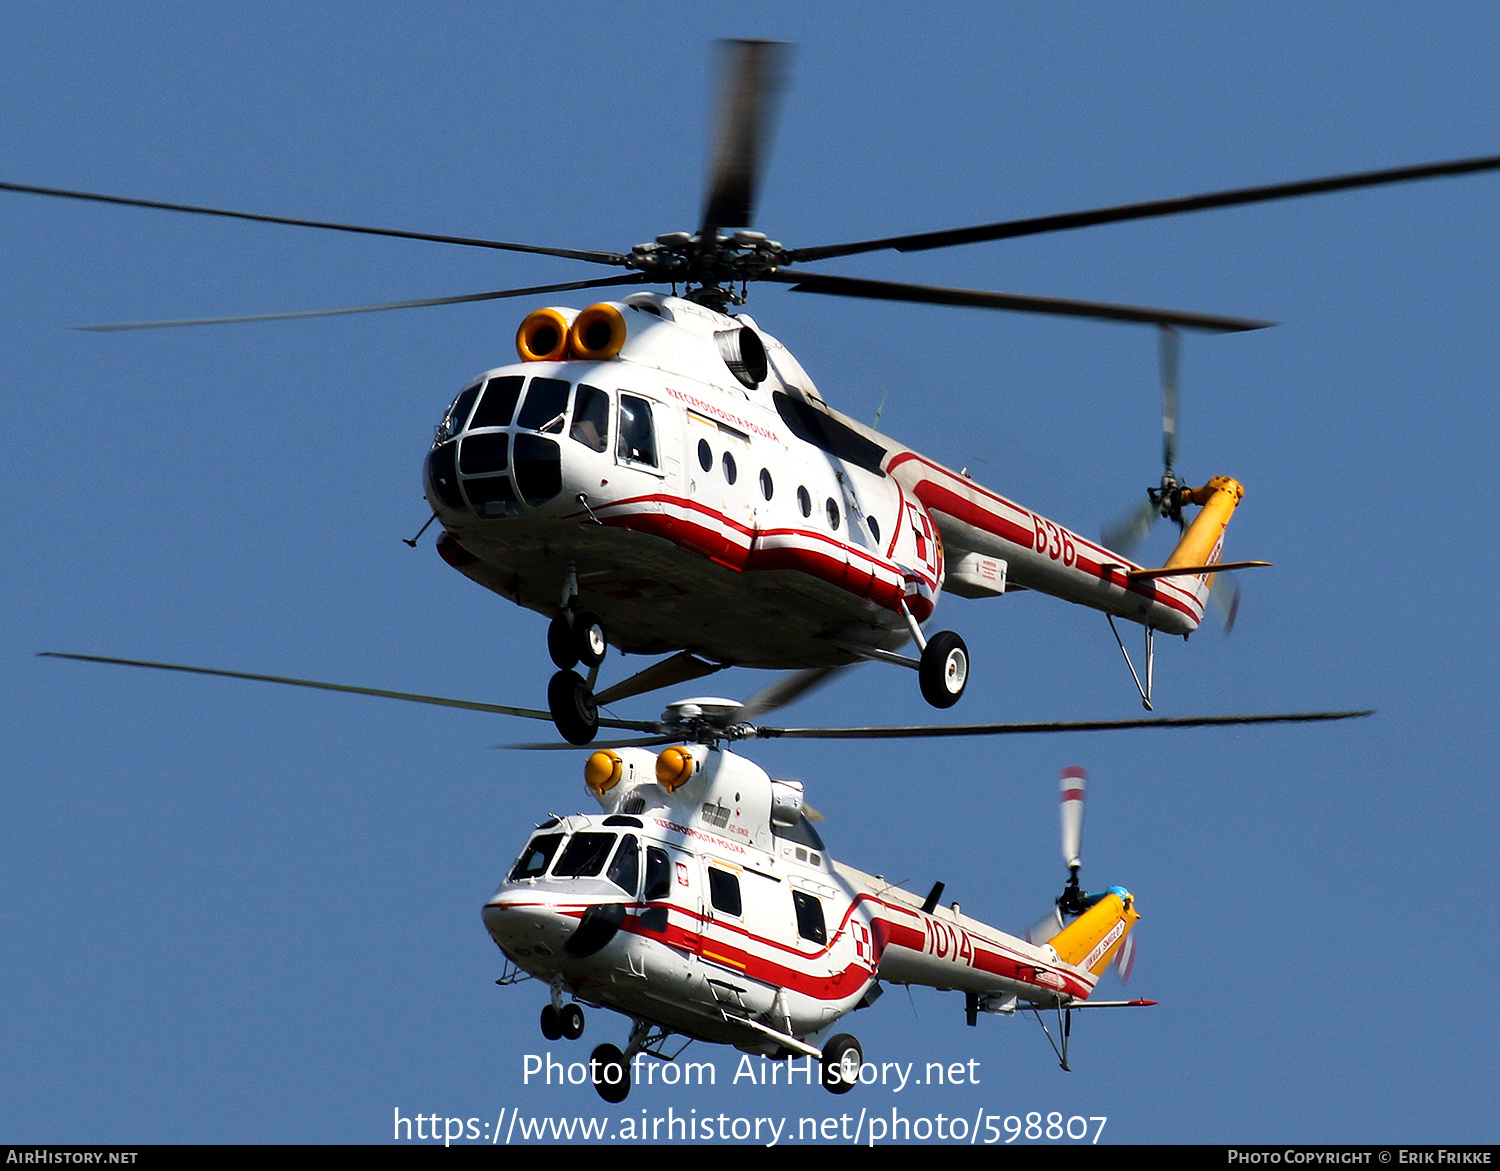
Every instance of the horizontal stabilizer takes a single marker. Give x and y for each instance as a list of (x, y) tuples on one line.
[(1193, 570), (1113, 1004)]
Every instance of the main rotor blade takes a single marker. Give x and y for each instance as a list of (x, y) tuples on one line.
[(920, 730), (535, 290), (412, 697), (783, 691), (1168, 352), (613, 258), (752, 75), (843, 286), (1009, 229)]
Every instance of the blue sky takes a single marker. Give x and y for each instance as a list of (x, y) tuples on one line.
[(241, 913)]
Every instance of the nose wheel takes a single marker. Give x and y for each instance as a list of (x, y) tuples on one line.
[(574, 638), (571, 702), (566, 1021)]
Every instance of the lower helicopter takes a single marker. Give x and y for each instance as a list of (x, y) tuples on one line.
[(702, 904)]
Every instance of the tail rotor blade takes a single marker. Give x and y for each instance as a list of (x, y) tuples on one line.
[(1046, 928), (1125, 958), (1072, 785), (1126, 534), (1225, 594)]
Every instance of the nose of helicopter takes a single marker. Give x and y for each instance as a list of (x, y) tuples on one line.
[(525, 925)]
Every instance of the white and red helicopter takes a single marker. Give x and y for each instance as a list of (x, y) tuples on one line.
[(661, 475), (702, 904)]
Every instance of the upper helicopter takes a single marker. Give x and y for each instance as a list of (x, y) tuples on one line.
[(658, 473)]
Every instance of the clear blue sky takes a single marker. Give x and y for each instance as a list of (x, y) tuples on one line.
[(237, 912)]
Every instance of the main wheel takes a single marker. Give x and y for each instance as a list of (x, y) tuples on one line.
[(551, 1023), (561, 644), (589, 642), (573, 708), (945, 669), (571, 1020), (842, 1059), (610, 1073)]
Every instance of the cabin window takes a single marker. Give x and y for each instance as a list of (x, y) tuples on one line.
[(458, 413), (637, 436), (705, 456), (499, 402), (766, 488), (591, 418), (534, 858), (730, 471), (658, 875), (584, 856), (874, 528), (802, 833), (823, 430), (804, 501), (810, 923), (724, 891), (546, 405), (832, 508), (625, 870)]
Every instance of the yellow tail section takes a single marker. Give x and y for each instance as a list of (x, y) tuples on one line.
[(1205, 536), (1092, 940)]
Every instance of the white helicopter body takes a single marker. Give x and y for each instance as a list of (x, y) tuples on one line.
[(701, 902), (691, 506)]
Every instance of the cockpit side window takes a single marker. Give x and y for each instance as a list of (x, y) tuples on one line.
[(546, 406), (458, 414), (534, 858), (584, 856), (499, 402), (591, 418), (637, 436), (658, 875), (625, 870)]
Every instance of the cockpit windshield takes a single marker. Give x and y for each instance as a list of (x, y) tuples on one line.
[(584, 856), (534, 858)]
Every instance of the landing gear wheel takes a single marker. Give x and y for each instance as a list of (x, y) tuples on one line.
[(573, 708), (571, 1020), (588, 639), (842, 1059), (611, 1074), (945, 669), (561, 644), (551, 1023)]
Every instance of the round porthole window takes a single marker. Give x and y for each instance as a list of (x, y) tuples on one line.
[(705, 455), (804, 501), (730, 471), (766, 487), (833, 514)]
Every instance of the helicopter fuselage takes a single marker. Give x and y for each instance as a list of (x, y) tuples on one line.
[(740, 519), (712, 909)]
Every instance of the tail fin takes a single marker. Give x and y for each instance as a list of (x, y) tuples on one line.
[(1203, 543), (1091, 940)]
